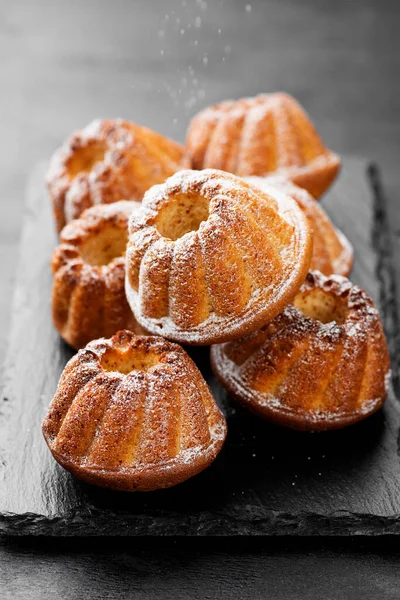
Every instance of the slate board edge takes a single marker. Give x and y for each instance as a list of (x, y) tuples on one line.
[(274, 523), (270, 522), (385, 273)]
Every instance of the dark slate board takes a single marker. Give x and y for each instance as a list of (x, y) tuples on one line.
[(266, 480)]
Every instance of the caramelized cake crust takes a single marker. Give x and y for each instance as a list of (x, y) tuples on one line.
[(211, 257), (108, 161), (332, 251), (88, 298), (323, 363), (270, 133), (133, 413)]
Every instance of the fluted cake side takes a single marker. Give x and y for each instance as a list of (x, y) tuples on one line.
[(88, 297), (270, 133), (323, 363), (133, 413), (332, 251), (107, 161), (211, 257)]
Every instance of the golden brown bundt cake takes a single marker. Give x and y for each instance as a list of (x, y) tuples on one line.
[(269, 133), (133, 413), (321, 364), (88, 298), (108, 161), (211, 257), (332, 251)]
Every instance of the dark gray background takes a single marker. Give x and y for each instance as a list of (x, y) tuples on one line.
[(64, 62)]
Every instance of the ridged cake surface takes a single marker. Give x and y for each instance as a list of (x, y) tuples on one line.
[(88, 299), (107, 161), (321, 364), (332, 251), (133, 413), (211, 257), (270, 133)]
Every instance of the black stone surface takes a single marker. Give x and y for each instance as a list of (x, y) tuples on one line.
[(200, 568), (266, 480)]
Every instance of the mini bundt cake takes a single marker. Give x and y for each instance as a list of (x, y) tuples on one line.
[(269, 133), (108, 161), (211, 257), (332, 251), (133, 413), (323, 363), (88, 299)]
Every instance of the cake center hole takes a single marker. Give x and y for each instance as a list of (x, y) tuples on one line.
[(104, 246), (85, 157), (127, 361), (321, 306), (183, 214)]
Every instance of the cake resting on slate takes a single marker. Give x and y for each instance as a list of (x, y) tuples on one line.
[(133, 413), (217, 243)]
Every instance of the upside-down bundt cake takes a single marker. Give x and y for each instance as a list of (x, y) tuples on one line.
[(88, 299), (332, 251), (133, 413), (321, 364), (269, 133), (211, 257), (108, 161)]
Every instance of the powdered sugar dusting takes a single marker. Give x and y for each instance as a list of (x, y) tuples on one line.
[(170, 369), (335, 351), (259, 130), (103, 168), (262, 302), (332, 251)]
